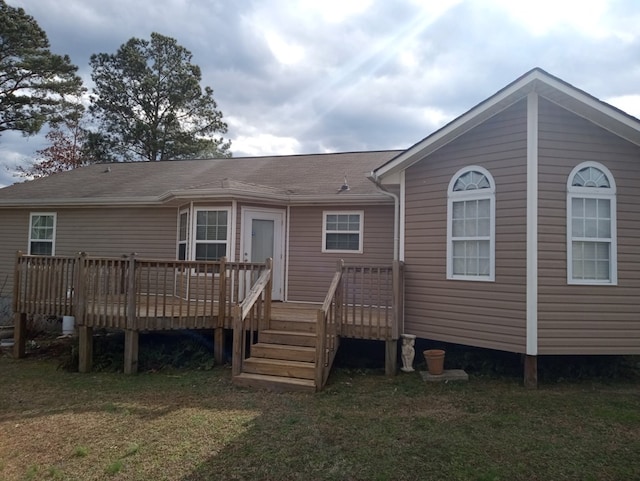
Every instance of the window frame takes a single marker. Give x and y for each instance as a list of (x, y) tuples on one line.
[(468, 195), (187, 239), (603, 193), (194, 225), (53, 238), (326, 231)]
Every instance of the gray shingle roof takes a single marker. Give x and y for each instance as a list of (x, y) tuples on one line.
[(289, 178)]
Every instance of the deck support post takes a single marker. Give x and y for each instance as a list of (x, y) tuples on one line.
[(531, 372), (85, 348), (218, 345), (238, 339), (391, 357), (19, 334), (131, 338)]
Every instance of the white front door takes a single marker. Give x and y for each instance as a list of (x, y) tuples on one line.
[(263, 237)]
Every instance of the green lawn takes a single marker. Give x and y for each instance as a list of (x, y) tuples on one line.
[(195, 425)]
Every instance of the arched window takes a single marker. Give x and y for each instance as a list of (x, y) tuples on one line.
[(471, 225), (591, 225)]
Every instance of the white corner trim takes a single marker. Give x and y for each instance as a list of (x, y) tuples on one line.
[(403, 195), (532, 224), (286, 253)]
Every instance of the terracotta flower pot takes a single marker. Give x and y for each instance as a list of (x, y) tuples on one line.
[(435, 361)]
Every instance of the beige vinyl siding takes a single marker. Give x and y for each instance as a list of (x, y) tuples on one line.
[(112, 232), (15, 237), (583, 319), (149, 232), (477, 313), (311, 270)]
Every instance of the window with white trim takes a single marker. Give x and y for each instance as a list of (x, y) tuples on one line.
[(211, 234), (342, 231), (42, 233), (591, 225), (471, 225), (183, 235)]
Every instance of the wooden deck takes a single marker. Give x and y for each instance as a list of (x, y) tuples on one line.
[(137, 295), (172, 313)]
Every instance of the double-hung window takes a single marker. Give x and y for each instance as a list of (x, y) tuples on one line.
[(342, 231), (471, 225), (591, 225), (211, 234), (42, 233)]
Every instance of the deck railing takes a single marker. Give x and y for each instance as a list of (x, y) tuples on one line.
[(132, 293), (43, 285), (371, 298), (250, 317), (328, 327)]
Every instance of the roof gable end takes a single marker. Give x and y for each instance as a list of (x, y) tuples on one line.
[(536, 80)]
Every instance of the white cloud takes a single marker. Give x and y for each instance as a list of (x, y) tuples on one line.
[(296, 76), (287, 52), (334, 11), (541, 16), (264, 144), (629, 103)]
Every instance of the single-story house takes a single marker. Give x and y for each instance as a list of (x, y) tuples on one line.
[(517, 223)]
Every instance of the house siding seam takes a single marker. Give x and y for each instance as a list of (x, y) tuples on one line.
[(483, 314), (586, 319)]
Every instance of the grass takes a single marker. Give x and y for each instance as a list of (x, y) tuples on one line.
[(195, 425)]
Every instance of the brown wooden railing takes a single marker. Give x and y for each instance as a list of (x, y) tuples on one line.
[(250, 317), (328, 327), (44, 285), (372, 301), (132, 293)]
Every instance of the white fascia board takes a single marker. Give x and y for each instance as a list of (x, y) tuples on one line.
[(478, 114), (596, 111), (617, 121)]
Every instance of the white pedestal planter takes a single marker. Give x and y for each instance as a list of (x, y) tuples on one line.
[(408, 352)]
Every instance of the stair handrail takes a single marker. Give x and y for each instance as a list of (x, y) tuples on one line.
[(327, 328), (261, 291)]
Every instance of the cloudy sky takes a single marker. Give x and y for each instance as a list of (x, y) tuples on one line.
[(346, 75)]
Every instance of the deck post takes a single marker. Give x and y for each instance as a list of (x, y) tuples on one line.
[(218, 345), (131, 295), (218, 332), (391, 357), (17, 284), (398, 300), (531, 372), (79, 287), (85, 348), (339, 299), (19, 334), (321, 346), (131, 338), (266, 323), (238, 339)]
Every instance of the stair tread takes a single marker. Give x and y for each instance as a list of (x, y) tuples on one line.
[(270, 345), (296, 333), (280, 362), (278, 383)]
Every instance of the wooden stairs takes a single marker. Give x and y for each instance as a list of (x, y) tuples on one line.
[(283, 359)]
